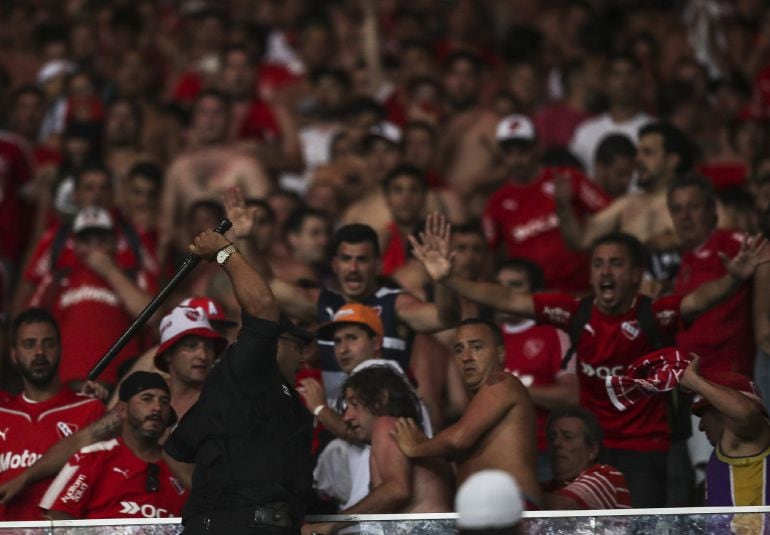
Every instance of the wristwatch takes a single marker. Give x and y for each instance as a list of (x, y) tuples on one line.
[(223, 255)]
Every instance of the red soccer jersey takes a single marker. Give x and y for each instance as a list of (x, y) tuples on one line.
[(607, 346), (524, 217), (27, 430), (91, 317), (106, 480), (599, 487), (394, 255), (39, 266), (533, 353), (722, 336)]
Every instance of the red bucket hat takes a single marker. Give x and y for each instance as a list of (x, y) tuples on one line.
[(181, 322)]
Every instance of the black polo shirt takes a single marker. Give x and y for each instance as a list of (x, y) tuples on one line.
[(249, 434)]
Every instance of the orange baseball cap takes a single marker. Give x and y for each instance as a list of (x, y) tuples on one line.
[(354, 313)]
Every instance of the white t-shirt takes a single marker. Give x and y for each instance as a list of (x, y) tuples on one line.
[(590, 133)]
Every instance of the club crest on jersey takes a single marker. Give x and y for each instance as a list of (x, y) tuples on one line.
[(533, 347), (630, 329), (65, 429)]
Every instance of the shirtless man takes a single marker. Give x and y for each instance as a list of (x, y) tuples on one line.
[(497, 429), (468, 154), (663, 153), (376, 398), (208, 169)]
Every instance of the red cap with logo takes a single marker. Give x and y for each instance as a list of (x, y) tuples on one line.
[(181, 322)]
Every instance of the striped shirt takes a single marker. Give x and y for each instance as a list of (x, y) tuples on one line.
[(599, 487)]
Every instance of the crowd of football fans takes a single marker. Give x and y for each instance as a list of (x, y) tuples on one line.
[(610, 149)]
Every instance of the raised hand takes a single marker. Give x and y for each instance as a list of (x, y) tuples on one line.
[(240, 215), (562, 188), (753, 252), (432, 249)]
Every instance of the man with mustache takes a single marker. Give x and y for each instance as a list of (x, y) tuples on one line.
[(637, 439), (189, 345), (356, 263), (43, 414), (125, 477)]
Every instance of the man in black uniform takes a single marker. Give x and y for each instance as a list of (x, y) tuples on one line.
[(244, 447)]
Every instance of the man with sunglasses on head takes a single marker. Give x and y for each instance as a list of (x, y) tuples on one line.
[(125, 477)]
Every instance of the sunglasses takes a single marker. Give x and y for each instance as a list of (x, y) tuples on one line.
[(152, 483)]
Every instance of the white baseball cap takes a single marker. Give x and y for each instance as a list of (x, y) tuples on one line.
[(92, 217), (515, 128), (488, 499), (180, 322), (387, 131)]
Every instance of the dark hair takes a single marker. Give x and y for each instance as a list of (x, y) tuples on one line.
[(464, 55), (360, 105), (420, 125), (214, 207), (237, 47), (614, 146), (148, 170), (494, 328), (632, 244), (569, 71), (340, 76), (33, 315), (701, 183), (369, 385), (625, 58), (356, 233), (471, 227), (592, 431), (263, 204), (93, 167), (213, 93), (405, 169), (674, 142), (297, 219), (557, 157), (533, 271)]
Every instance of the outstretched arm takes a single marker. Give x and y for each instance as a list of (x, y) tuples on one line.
[(57, 455), (433, 250), (741, 267)]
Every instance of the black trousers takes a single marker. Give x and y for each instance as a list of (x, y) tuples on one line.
[(645, 472), (242, 521)]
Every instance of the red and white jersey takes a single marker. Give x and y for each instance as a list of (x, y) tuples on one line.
[(524, 218), (607, 346), (28, 430), (38, 269), (91, 317), (533, 353), (106, 480), (16, 171), (723, 335), (598, 487)]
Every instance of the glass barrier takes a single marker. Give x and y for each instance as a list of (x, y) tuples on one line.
[(684, 521)]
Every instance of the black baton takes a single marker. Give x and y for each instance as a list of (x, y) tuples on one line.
[(187, 266)]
